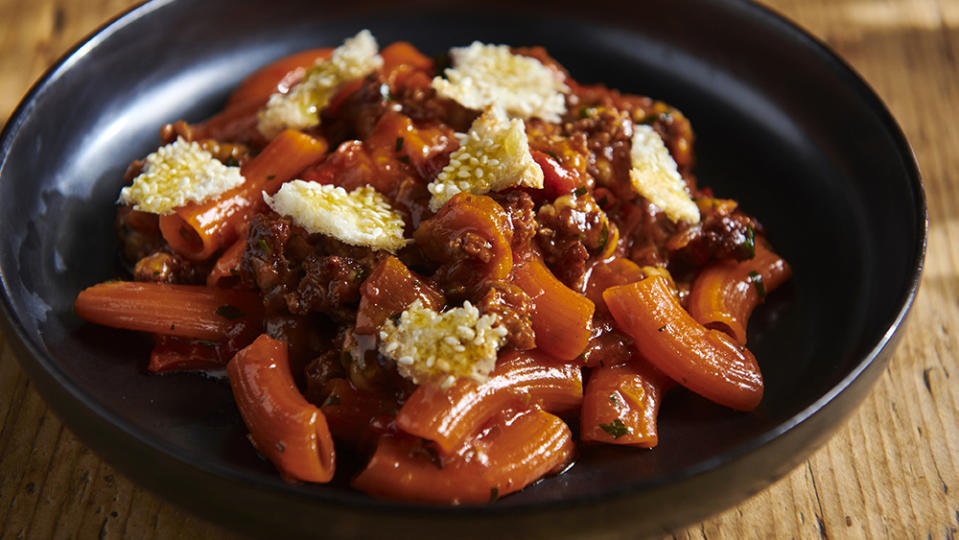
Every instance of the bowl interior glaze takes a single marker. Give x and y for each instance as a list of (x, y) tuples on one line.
[(781, 125)]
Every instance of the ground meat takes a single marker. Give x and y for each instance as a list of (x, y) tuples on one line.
[(357, 115), (330, 285), (424, 105), (717, 236), (571, 229), (302, 274), (608, 134), (166, 267), (514, 309), (589, 102), (265, 265), (522, 214)]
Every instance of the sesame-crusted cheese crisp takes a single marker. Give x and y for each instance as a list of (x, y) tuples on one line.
[(439, 347), (655, 176), (176, 174), (484, 75), (362, 217), (300, 107), (493, 156)]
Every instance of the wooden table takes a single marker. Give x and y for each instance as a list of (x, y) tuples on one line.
[(891, 471)]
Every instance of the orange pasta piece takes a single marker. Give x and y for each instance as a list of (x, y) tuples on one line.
[(516, 450), (291, 432), (401, 55), (279, 76), (606, 273), (389, 290), (725, 294), (620, 404), (562, 318), (706, 361), (352, 413), (189, 311), (465, 217), (198, 230), (521, 378), (226, 271)]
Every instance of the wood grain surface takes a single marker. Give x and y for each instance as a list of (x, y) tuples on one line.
[(891, 472)]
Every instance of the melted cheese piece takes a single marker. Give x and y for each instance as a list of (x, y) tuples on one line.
[(484, 75), (654, 175), (176, 174), (300, 107), (439, 347), (362, 217), (493, 156)]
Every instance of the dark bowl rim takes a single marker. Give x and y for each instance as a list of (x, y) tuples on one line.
[(778, 22)]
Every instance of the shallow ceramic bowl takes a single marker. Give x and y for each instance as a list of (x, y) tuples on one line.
[(782, 125)]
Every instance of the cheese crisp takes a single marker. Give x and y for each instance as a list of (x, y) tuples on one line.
[(654, 176), (484, 75), (362, 217), (493, 156), (176, 174), (300, 107), (439, 347)]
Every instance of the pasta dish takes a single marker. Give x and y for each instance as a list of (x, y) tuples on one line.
[(454, 269)]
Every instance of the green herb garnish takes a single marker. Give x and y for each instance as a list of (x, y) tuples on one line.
[(271, 177), (750, 242), (614, 399), (399, 144), (404, 159), (603, 237), (332, 400), (264, 246), (580, 191), (228, 312), (757, 280), (616, 428), (231, 162)]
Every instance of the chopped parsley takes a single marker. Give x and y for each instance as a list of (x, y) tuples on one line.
[(270, 177), (757, 280), (616, 428), (332, 400), (228, 312), (404, 159), (750, 243), (603, 237), (586, 112), (552, 155), (264, 246), (614, 399), (231, 162), (580, 191), (399, 144), (661, 328)]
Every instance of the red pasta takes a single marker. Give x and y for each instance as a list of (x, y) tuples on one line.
[(283, 426), (725, 294), (424, 280)]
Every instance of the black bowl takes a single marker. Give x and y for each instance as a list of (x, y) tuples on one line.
[(782, 125)]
